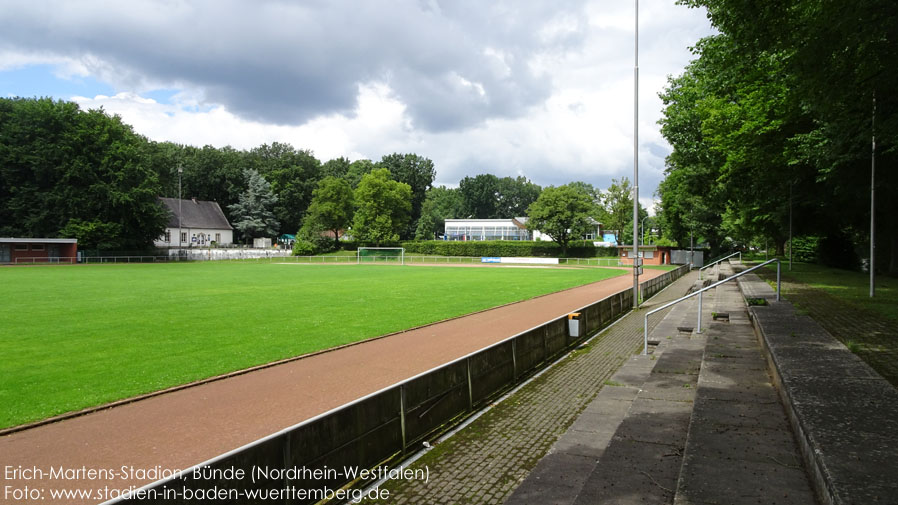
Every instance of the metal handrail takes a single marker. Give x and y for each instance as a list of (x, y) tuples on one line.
[(645, 330), (717, 262)]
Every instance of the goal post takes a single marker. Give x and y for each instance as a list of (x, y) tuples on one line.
[(381, 255)]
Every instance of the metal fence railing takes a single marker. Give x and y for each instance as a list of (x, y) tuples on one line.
[(386, 425), (717, 262), (698, 293), (277, 256)]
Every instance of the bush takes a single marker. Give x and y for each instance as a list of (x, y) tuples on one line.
[(304, 248), (804, 248), (835, 250)]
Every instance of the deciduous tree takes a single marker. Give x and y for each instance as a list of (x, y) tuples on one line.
[(331, 209), (383, 208), (562, 213)]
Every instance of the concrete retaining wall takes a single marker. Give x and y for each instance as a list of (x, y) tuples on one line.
[(844, 415)]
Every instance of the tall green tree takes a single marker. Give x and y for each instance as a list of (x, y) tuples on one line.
[(383, 208), (416, 171), (441, 203), (331, 209), (293, 175), (337, 167), (480, 196), (831, 58), (516, 195), (618, 200), (253, 213), (358, 169), (209, 173), (562, 213), (63, 170)]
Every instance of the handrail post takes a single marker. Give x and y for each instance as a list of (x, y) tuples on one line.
[(645, 336), (779, 288), (470, 386), (402, 415), (698, 329)]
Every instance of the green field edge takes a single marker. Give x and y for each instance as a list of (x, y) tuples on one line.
[(90, 407)]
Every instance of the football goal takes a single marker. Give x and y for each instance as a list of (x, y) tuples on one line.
[(394, 255)]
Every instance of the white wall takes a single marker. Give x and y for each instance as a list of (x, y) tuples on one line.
[(227, 237), (204, 253)]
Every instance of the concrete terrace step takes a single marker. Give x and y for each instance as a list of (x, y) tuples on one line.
[(643, 411), (700, 424), (844, 414), (740, 448)]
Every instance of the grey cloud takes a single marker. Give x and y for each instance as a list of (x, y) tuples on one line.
[(454, 64)]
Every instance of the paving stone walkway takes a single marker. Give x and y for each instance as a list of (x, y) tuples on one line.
[(870, 335), (484, 462)]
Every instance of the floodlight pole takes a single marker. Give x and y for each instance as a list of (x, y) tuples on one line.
[(636, 163), (180, 171), (873, 201)]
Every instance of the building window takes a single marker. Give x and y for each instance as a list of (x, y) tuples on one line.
[(21, 247), (37, 247), (218, 238), (168, 235), (183, 237)]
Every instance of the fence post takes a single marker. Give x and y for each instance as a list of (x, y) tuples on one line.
[(514, 360), (402, 415)]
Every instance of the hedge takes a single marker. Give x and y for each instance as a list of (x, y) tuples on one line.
[(507, 248)]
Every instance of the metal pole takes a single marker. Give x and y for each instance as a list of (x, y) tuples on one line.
[(180, 170), (402, 416), (636, 162), (645, 336), (691, 253), (470, 386), (873, 202), (779, 285), (698, 329), (790, 226)]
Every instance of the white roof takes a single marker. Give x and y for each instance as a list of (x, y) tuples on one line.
[(13, 240)]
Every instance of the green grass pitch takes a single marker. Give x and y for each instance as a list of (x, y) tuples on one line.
[(77, 336)]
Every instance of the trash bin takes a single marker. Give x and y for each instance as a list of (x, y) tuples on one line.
[(573, 324)]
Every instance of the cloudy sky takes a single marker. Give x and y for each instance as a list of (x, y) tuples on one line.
[(542, 89)]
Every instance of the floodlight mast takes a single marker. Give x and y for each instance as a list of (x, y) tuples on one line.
[(180, 171), (636, 164), (873, 201)]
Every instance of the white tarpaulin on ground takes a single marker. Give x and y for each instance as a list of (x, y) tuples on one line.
[(528, 261)]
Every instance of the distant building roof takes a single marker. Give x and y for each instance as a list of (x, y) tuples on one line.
[(14, 240), (196, 214)]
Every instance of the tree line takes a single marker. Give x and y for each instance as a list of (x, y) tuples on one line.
[(772, 128), (85, 174)]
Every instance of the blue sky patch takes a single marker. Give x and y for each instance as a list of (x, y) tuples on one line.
[(40, 81)]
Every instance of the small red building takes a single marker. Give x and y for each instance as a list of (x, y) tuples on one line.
[(38, 250), (650, 254)]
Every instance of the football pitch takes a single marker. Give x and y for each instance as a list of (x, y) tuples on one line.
[(77, 336)]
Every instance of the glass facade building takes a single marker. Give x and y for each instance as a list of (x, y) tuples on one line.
[(486, 229)]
